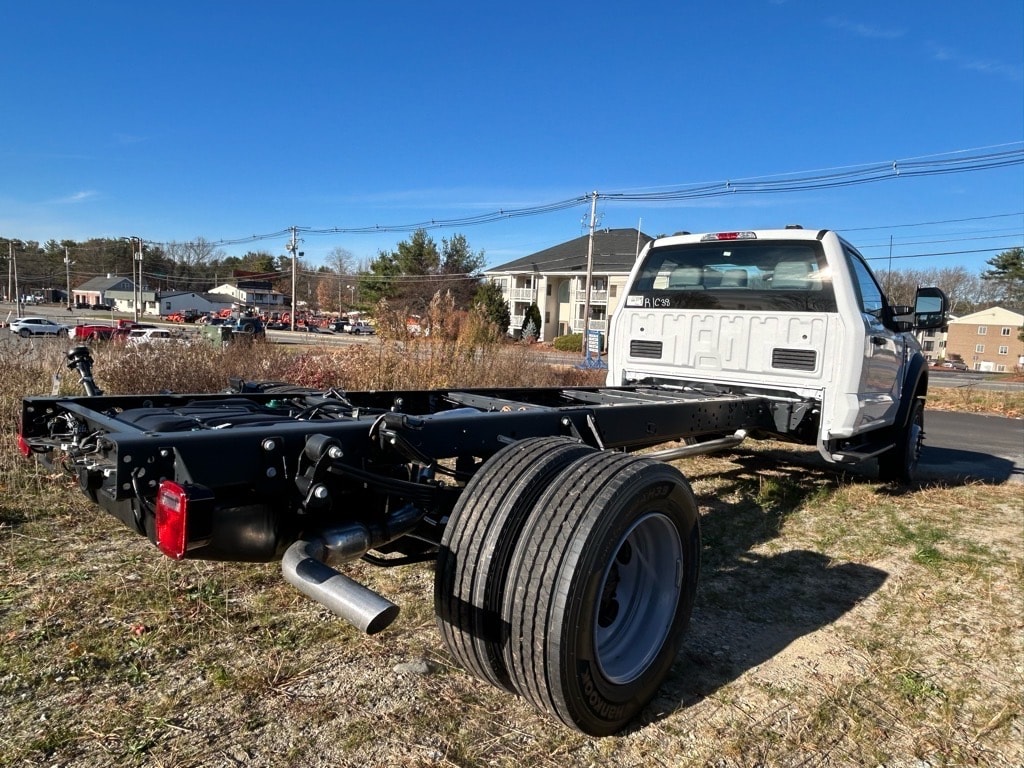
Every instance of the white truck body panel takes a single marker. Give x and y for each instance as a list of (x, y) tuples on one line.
[(807, 336)]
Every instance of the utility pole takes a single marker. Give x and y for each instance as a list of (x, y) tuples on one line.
[(293, 248), (14, 264), (590, 271), (137, 284), (138, 306), (67, 270)]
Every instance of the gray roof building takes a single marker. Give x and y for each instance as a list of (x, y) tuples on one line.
[(556, 278)]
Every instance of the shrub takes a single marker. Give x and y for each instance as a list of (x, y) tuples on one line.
[(571, 342)]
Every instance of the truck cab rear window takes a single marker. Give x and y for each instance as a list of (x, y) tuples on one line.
[(770, 276)]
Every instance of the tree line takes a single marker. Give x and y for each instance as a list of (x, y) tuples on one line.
[(407, 277), (1002, 284)]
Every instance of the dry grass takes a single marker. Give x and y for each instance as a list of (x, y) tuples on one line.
[(838, 623), (970, 398)]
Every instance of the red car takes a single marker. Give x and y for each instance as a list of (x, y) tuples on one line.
[(92, 332)]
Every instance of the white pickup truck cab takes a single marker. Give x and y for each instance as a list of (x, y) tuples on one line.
[(792, 314)]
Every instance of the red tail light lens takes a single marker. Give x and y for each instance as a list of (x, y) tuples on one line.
[(172, 519), (24, 447)]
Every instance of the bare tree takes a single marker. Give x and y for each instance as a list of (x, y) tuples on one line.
[(191, 260), (341, 261), (957, 283), (333, 289)]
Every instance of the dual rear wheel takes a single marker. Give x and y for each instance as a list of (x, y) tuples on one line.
[(568, 575)]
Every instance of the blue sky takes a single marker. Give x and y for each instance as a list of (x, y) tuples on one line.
[(222, 120)]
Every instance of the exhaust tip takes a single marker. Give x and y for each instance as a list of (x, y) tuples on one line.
[(358, 605)]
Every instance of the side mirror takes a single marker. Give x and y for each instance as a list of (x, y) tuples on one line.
[(931, 309)]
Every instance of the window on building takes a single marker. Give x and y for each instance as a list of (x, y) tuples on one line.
[(979, 348), (929, 346), (1004, 350), (982, 330), (613, 290), (1004, 331), (1000, 369)]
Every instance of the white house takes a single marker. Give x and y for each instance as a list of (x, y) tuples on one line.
[(258, 294), (179, 301)]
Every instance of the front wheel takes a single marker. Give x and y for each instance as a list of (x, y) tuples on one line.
[(899, 463), (601, 587)]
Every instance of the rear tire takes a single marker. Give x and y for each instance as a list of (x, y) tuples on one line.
[(477, 545), (601, 588), (24, 333), (899, 463)]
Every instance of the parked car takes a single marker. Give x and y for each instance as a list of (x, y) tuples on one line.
[(339, 325), (359, 327), (37, 326), (92, 332), (956, 365), (312, 329), (101, 306), (152, 335)]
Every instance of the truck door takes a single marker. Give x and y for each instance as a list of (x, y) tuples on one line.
[(882, 370)]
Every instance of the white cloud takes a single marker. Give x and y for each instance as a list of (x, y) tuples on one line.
[(77, 197), (972, 64), (864, 30)]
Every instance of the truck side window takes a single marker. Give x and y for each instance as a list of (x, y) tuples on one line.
[(872, 300)]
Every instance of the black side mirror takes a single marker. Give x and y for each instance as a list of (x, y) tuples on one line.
[(931, 309)]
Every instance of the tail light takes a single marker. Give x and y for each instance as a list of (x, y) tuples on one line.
[(172, 519), (23, 446)]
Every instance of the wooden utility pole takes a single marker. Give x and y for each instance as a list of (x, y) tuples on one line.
[(590, 271), (292, 247)]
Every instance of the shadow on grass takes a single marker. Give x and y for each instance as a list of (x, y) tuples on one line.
[(751, 606)]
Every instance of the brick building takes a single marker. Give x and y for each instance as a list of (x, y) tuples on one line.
[(988, 340)]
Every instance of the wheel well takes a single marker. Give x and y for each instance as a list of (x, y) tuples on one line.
[(915, 384)]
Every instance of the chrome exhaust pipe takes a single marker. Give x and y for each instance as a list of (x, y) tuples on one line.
[(308, 566), (303, 567)]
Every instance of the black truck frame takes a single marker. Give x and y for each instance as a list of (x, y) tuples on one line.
[(566, 564)]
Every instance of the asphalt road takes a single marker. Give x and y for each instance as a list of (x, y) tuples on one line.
[(966, 446)]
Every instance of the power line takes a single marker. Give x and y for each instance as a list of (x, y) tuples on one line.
[(932, 223), (929, 255), (959, 161)]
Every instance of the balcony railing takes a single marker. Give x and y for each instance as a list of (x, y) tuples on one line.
[(596, 297), (522, 294), (578, 326)]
